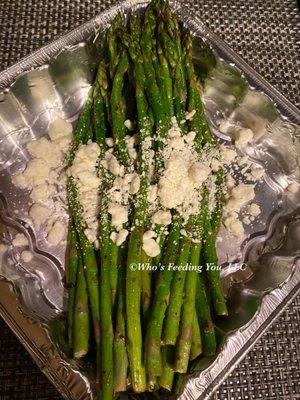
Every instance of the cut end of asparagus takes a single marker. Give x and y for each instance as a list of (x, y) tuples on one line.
[(80, 354)]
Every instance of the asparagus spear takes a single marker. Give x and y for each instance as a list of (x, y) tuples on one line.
[(107, 292), (82, 126), (177, 72), (211, 259), (87, 250), (207, 330), (113, 271), (112, 43), (117, 107), (159, 108), (133, 318), (204, 137), (135, 280), (72, 276), (160, 302), (172, 319), (184, 341), (196, 348), (198, 123), (81, 315), (120, 353), (166, 378), (146, 286), (106, 310)]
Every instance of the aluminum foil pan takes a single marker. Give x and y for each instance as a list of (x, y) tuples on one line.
[(53, 82)]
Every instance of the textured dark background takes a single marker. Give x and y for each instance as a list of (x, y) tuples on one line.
[(264, 33)]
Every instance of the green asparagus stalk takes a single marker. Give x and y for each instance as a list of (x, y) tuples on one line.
[(82, 127), (207, 330), (89, 259), (198, 122), (159, 108), (120, 353), (133, 318), (112, 43), (108, 251), (117, 105), (216, 215), (146, 286), (211, 260), (177, 72), (106, 310), (172, 319), (81, 315), (178, 384), (138, 281), (204, 137), (166, 378), (196, 348), (160, 302), (184, 341), (113, 271), (72, 276)]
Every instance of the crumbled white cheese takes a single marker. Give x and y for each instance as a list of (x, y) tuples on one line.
[(26, 256), (227, 154), (130, 144), (253, 209), (189, 115), (42, 175), (119, 237), (257, 173), (162, 217), (85, 175), (246, 220), (226, 126), (45, 150), (177, 143), (174, 131), (240, 195), (36, 173), (242, 137), (135, 183), (129, 125), (198, 172), (42, 192), (20, 240), (152, 194), (149, 235), (190, 137), (242, 160), (61, 132), (119, 214), (56, 234), (113, 165), (184, 173), (215, 164), (109, 141), (39, 214), (150, 246), (229, 181), (233, 225)]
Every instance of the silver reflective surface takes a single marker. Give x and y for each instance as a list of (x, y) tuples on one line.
[(53, 82)]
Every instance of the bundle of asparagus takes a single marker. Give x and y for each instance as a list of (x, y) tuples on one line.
[(148, 323)]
